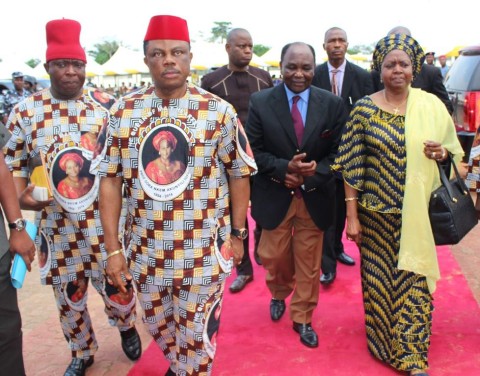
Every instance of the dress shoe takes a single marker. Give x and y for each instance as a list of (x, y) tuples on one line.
[(240, 282), (327, 278), (78, 366), (345, 259), (170, 373), (131, 344), (307, 335), (277, 309)]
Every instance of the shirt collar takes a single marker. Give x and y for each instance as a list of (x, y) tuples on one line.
[(304, 95)]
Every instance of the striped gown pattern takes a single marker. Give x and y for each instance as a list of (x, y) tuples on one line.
[(398, 305)]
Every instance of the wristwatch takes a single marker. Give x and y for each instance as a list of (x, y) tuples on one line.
[(240, 233), (19, 224)]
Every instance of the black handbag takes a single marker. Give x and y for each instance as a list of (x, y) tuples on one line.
[(451, 209)]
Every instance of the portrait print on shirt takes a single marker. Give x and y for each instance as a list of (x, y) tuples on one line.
[(243, 146), (44, 254), (163, 163), (74, 187)]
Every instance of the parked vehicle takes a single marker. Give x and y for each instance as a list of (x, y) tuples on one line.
[(463, 86)]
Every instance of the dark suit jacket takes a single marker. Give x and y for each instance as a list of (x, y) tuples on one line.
[(357, 82), (272, 138), (430, 79)]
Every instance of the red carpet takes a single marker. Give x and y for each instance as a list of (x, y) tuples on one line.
[(249, 343)]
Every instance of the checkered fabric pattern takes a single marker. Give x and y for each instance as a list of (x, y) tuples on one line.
[(174, 241), (184, 322), (44, 124)]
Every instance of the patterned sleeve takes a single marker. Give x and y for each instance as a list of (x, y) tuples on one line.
[(111, 165), (350, 159), (16, 153), (473, 175), (234, 149)]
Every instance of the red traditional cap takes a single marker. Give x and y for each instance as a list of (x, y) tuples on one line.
[(167, 27), (63, 40)]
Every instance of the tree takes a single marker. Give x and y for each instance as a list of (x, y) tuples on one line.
[(104, 51), (260, 49), (32, 63), (220, 31)]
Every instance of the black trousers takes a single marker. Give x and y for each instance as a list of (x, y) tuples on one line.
[(11, 358), (332, 239)]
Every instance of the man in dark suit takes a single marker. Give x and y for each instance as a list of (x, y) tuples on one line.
[(350, 83), (294, 130), (430, 78)]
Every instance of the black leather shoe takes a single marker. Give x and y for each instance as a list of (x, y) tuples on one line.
[(240, 282), (170, 373), (307, 335), (345, 259), (131, 344), (78, 366), (277, 309), (327, 278)]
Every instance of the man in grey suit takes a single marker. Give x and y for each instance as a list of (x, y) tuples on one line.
[(352, 83), (294, 130)]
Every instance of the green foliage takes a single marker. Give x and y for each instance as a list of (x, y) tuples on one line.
[(104, 51), (220, 31), (260, 49), (362, 48), (32, 63)]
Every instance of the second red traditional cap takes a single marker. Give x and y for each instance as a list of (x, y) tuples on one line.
[(63, 40), (167, 27)]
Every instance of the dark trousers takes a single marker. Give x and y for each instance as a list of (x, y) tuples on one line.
[(332, 239), (11, 358)]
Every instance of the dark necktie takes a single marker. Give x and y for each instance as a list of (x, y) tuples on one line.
[(297, 120), (334, 82)]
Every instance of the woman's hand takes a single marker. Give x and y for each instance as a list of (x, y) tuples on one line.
[(435, 150), (354, 230)]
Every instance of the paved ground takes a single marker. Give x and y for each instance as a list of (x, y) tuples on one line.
[(46, 352)]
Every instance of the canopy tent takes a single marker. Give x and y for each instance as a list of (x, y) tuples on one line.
[(92, 69), (272, 57), (454, 52), (10, 65), (124, 61), (208, 55)]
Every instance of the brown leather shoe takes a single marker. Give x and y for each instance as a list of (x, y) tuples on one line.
[(240, 282)]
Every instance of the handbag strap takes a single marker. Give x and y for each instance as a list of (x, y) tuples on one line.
[(445, 181)]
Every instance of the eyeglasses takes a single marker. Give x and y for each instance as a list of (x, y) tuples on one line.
[(62, 64)]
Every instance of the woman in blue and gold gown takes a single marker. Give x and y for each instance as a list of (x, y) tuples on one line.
[(387, 157)]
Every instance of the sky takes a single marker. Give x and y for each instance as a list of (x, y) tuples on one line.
[(437, 25)]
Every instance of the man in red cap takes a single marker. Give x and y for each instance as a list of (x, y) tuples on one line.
[(67, 119), (182, 239)]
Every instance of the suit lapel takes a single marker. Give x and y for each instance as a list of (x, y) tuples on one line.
[(281, 109), (316, 109), (347, 81)]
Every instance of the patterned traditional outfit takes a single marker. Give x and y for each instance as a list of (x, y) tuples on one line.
[(179, 232), (473, 176), (381, 156), (70, 235)]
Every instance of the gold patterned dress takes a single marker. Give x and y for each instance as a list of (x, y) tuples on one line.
[(398, 304)]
